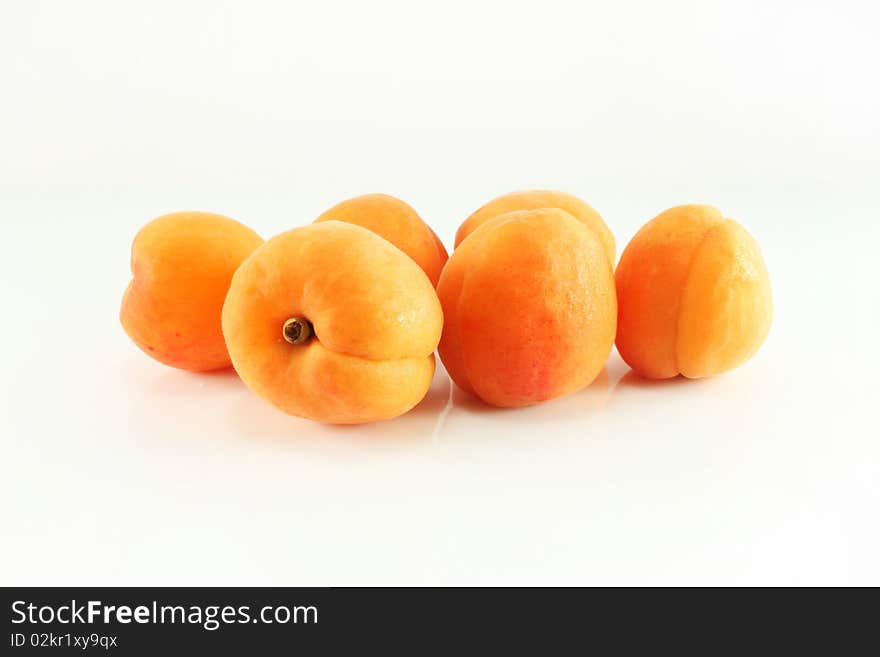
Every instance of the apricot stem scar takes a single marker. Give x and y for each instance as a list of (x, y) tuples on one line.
[(297, 330)]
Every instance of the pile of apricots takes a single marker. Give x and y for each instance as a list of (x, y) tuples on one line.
[(338, 321)]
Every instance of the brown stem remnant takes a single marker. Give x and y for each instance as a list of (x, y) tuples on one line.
[(297, 330)]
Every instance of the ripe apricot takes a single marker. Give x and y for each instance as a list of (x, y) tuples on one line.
[(397, 222), (529, 308), (534, 200), (694, 295), (333, 323), (181, 266)]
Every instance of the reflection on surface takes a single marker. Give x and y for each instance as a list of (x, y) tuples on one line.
[(495, 423), (429, 423), (593, 396), (259, 422), (226, 410), (167, 381), (633, 379), (641, 395)]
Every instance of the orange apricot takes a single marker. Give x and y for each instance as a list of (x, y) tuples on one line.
[(333, 323), (534, 200), (181, 266), (529, 308), (694, 295), (397, 222)]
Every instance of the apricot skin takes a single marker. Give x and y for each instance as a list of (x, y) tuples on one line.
[(537, 199), (397, 222), (529, 308), (375, 316), (182, 264), (694, 295)]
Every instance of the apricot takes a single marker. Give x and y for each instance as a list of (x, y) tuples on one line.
[(529, 308), (332, 322), (534, 200), (694, 295), (397, 222), (182, 264)]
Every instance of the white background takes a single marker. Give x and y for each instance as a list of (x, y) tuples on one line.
[(117, 470)]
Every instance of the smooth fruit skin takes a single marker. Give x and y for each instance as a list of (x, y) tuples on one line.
[(535, 200), (397, 222), (375, 316), (694, 295), (529, 308), (182, 264)]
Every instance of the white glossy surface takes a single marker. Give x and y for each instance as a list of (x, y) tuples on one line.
[(117, 470)]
